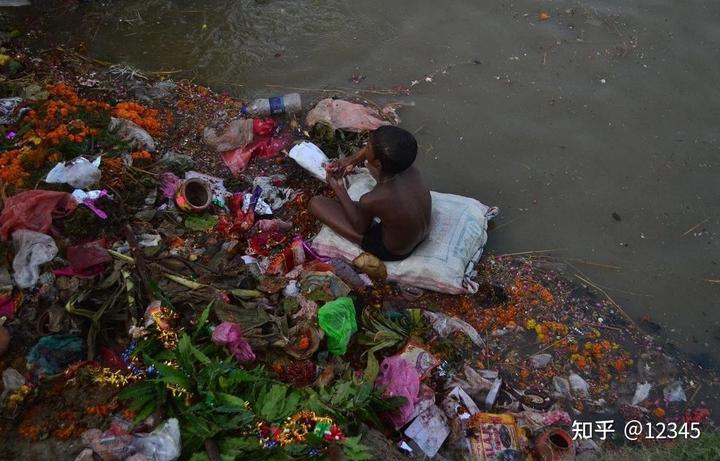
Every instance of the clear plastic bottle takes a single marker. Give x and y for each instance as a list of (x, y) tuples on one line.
[(286, 104)]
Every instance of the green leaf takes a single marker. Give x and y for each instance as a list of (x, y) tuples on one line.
[(356, 451), (371, 369), (145, 412), (202, 320), (230, 400)]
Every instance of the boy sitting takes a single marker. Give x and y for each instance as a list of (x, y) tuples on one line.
[(401, 200)]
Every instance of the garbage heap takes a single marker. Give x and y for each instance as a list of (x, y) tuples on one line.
[(159, 303)]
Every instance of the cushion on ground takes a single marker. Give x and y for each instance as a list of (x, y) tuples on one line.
[(445, 261)]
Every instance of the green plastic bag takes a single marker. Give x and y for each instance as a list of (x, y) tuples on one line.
[(337, 320)]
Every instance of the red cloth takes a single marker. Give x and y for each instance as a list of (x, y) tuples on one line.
[(34, 210)]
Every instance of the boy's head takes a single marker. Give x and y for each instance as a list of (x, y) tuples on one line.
[(393, 148)]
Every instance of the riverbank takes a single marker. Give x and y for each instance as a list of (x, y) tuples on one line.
[(524, 311)]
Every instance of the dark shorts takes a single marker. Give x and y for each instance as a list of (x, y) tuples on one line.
[(372, 242)]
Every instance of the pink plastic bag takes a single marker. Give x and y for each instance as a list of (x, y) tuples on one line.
[(230, 335), (88, 255), (399, 378), (238, 159), (345, 115), (34, 210)]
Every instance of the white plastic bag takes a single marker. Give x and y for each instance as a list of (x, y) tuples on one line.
[(163, 444), (32, 249), (310, 157), (132, 133), (79, 173)]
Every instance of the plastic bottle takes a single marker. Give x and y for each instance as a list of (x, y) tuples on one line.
[(277, 105)]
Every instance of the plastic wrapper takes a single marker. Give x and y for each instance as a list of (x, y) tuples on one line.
[(272, 191), (162, 444), (230, 335), (399, 378), (311, 158), (34, 210), (79, 173), (337, 320), (429, 430), (237, 134), (32, 249), (345, 115), (327, 282)]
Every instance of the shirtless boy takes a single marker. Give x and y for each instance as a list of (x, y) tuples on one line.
[(401, 200)]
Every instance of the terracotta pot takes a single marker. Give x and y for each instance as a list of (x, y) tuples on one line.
[(194, 195), (554, 444)]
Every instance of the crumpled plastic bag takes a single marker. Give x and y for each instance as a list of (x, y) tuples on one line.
[(337, 320), (12, 380), (52, 354), (230, 335), (136, 137), (32, 249), (34, 210), (445, 326), (79, 173), (310, 157), (237, 134), (399, 378), (162, 444), (9, 112), (345, 115)]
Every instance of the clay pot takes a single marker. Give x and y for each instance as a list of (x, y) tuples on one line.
[(194, 195), (554, 444), (4, 340)]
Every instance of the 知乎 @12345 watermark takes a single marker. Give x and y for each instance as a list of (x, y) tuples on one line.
[(635, 430)]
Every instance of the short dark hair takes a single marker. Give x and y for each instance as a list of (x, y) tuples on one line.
[(394, 147)]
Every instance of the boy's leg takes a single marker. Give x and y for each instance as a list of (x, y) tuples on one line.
[(330, 212)]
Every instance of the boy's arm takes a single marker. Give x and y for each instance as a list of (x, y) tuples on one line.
[(343, 166), (356, 213)]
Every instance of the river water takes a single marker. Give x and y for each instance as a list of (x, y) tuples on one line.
[(594, 125)]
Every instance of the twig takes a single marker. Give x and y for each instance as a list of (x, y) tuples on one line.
[(530, 252), (592, 263), (695, 227), (506, 223), (697, 389), (552, 344), (600, 325), (609, 298)]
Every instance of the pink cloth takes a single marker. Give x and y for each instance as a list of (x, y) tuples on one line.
[(399, 378), (230, 335)]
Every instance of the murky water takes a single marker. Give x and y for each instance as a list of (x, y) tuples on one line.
[(596, 130)]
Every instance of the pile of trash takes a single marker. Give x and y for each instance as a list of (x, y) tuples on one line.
[(156, 307)]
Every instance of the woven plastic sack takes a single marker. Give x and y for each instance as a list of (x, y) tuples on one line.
[(445, 261), (337, 320)]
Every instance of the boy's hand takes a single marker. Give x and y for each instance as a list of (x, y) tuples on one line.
[(336, 184)]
